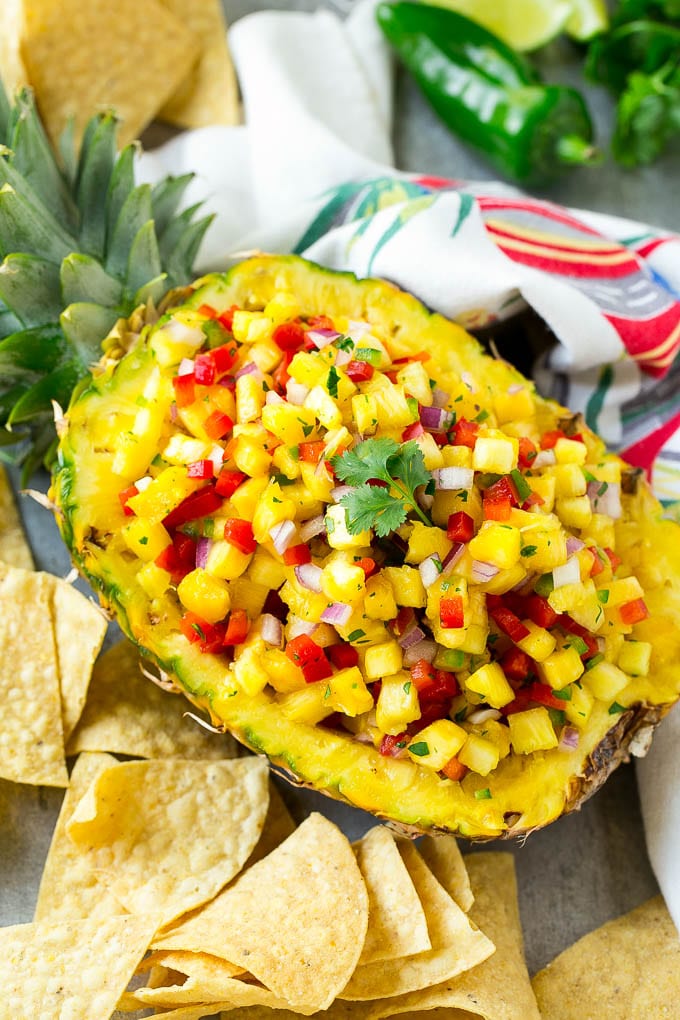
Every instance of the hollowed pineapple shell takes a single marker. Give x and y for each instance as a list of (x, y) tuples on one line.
[(527, 791)]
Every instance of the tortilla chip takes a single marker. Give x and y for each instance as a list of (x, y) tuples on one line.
[(296, 920), (628, 969), (70, 888), (125, 713), (209, 94), (168, 835), (31, 741), (14, 548), (77, 969), (396, 919), (86, 57), (278, 825), (196, 1012), (206, 979), (79, 631), (444, 859), (456, 944)]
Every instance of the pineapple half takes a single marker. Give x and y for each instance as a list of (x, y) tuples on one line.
[(480, 667)]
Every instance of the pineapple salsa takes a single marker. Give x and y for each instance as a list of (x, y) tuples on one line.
[(385, 551)]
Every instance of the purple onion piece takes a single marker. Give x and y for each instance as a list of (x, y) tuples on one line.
[(482, 571), (338, 614), (298, 626), (248, 369), (422, 650), (309, 576), (569, 739), (411, 637), (440, 398), (452, 558), (573, 545), (323, 337), (271, 630), (203, 547), (341, 490), (605, 498), (282, 535), (313, 527)]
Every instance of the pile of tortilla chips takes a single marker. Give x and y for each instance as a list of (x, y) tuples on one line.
[(144, 58)]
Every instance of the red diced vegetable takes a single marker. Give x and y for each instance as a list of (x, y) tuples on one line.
[(521, 701), (460, 527), (368, 565), (320, 322), (303, 649), (454, 770), (516, 665), (509, 624), (392, 746), (240, 533), (543, 694), (527, 452), (412, 432), (208, 311), (179, 558), (289, 336), (199, 504), (615, 560), (218, 424), (405, 618), (465, 432), (237, 628), (311, 453), (540, 611), (228, 482), (124, 495), (296, 555), (226, 319), (185, 389), (224, 357), (204, 369), (633, 612), (343, 656), (201, 469), (420, 356), (549, 439), (358, 371), (451, 613), (597, 565), (209, 635)]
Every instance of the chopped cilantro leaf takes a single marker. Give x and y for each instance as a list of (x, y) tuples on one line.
[(529, 550), (484, 794), (420, 748), (332, 382), (616, 709)]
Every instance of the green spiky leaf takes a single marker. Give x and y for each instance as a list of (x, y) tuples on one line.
[(31, 352), (25, 228), (58, 385), (165, 200), (85, 324), (29, 286), (97, 159), (85, 279), (135, 212), (122, 183), (182, 256), (144, 261)]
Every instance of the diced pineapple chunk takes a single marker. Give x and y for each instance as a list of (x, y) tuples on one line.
[(286, 462), (499, 544), (265, 570), (425, 541), (324, 407), (365, 413), (348, 693), (539, 643), (397, 703), (247, 496), (305, 604), (164, 493), (580, 705), (207, 596), (145, 539), (605, 680), (574, 511), (456, 456), (154, 580), (624, 589), (408, 582), (248, 595), (569, 480), (284, 675), (436, 744), (317, 480), (338, 534), (250, 397), (249, 670), (549, 549), (490, 682), (283, 307), (289, 423), (342, 581), (250, 327), (531, 731), (634, 657), (415, 380), (568, 596), (272, 508), (383, 660), (226, 561), (601, 531), (570, 451), (496, 454), (561, 668), (182, 449), (543, 486), (309, 705), (514, 406), (308, 369), (380, 603), (479, 755), (497, 733)]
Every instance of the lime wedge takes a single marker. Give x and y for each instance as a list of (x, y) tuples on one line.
[(588, 17), (523, 24)]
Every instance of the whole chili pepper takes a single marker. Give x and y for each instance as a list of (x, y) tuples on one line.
[(489, 95)]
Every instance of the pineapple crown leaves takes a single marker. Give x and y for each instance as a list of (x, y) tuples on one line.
[(82, 245)]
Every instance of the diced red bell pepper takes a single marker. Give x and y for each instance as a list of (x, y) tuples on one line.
[(499, 499), (201, 469), (204, 369), (296, 555), (516, 665), (237, 628), (218, 424), (393, 746), (430, 711), (420, 356), (460, 527), (201, 503), (208, 311), (598, 564), (465, 433), (228, 482), (343, 656), (451, 612), (527, 452), (543, 695), (281, 375), (358, 371), (509, 623), (540, 611), (224, 358), (615, 560), (226, 319), (496, 509), (633, 612), (454, 770), (185, 389), (422, 674), (549, 438), (179, 558), (240, 533), (124, 495), (533, 500), (317, 669), (320, 322), (368, 565), (302, 649), (413, 431), (289, 336), (520, 702), (433, 684), (208, 635), (311, 453), (405, 619)]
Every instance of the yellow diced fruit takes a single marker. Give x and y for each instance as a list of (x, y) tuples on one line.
[(250, 458), (365, 413), (379, 602), (308, 369), (504, 580), (634, 658), (569, 480), (499, 544), (247, 496), (456, 456), (394, 410), (433, 457), (284, 675), (251, 676), (248, 595), (324, 407), (290, 424), (265, 355), (250, 398), (579, 707), (447, 502), (309, 705), (153, 580), (561, 668), (338, 533), (568, 596), (317, 481), (145, 539), (182, 449), (425, 541), (342, 581), (226, 561), (531, 731), (207, 596), (382, 660), (624, 589), (397, 703), (605, 680), (601, 531), (265, 570), (574, 511), (285, 463), (272, 509), (180, 337), (549, 549), (283, 307), (543, 486), (164, 493), (495, 454), (570, 451), (474, 639), (305, 604), (496, 733), (415, 380), (408, 582), (514, 406), (539, 643), (348, 693), (435, 745), (250, 327), (479, 755), (490, 683)]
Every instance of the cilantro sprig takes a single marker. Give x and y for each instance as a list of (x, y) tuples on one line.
[(401, 467)]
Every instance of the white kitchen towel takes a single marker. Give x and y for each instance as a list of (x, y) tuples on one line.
[(312, 172)]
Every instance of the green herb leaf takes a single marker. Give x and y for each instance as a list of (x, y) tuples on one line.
[(603, 596), (616, 709), (563, 695), (420, 748), (484, 794), (332, 382), (529, 550)]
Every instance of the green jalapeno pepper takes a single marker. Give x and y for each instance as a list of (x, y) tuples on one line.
[(489, 95)]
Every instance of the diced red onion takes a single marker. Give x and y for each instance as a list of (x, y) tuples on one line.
[(435, 419), (271, 630), (430, 570), (569, 739), (250, 368), (203, 547), (440, 398), (313, 527), (309, 576), (298, 626), (282, 535), (322, 337), (544, 458), (273, 398), (567, 573), (341, 490), (483, 715), (180, 333), (606, 502), (186, 367), (482, 571), (338, 614), (452, 558), (451, 478), (142, 484), (296, 392), (573, 545), (423, 650), (411, 637), (343, 357)]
